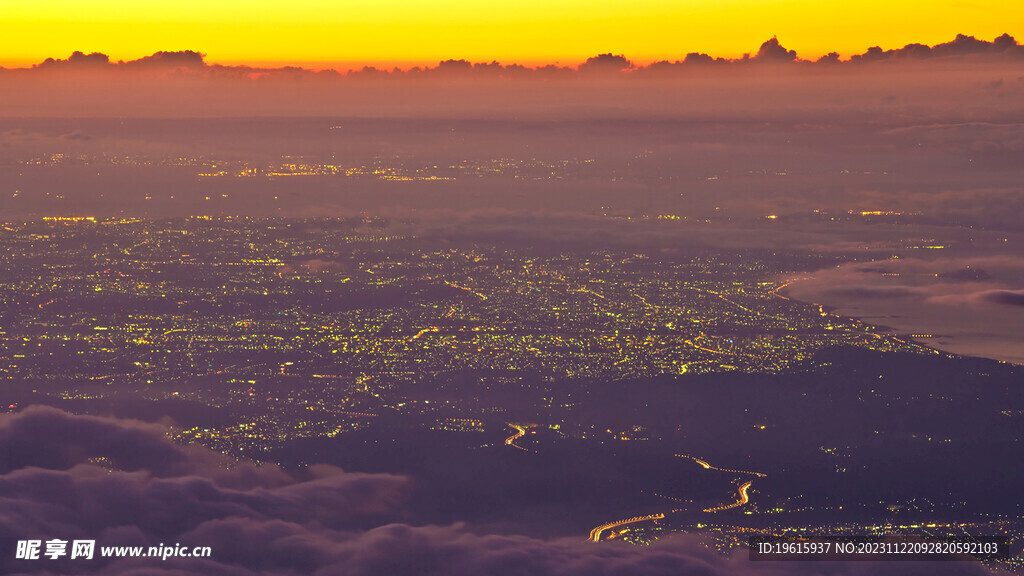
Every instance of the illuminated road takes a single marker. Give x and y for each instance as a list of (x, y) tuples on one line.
[(743, 499), (589, 291), (470, 290), (710, 467), (821, 308), (741, 490), (736, 304), (595, 534), (511, 440), (425, 331), (776, 291)]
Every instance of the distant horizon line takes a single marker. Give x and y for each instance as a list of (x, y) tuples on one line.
[(771, 50)]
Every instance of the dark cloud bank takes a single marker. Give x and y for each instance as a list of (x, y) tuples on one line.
[(771, 51), (262, 520), (773, 79)]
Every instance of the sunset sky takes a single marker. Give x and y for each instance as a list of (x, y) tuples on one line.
[(327, 33), (585, 313)]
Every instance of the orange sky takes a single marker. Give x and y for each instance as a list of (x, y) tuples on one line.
[(342, 33)]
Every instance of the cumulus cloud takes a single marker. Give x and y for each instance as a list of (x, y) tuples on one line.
[(77, 59), (125, 483), (772, 50), (165, 59), (961, 46), (27, 440), (606, 63)]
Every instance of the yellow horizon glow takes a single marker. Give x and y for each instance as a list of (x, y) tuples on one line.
[(348, 34)]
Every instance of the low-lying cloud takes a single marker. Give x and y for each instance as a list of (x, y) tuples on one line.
[(966, 305), (124, 483)]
